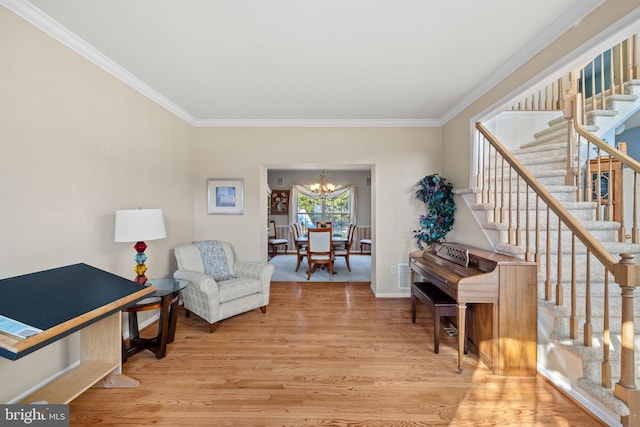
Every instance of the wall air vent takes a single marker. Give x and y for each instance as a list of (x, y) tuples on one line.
[(404, 276)]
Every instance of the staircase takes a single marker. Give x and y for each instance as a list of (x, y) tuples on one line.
[(566, 361)]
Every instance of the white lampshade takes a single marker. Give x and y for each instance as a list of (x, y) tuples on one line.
[(137, 225)]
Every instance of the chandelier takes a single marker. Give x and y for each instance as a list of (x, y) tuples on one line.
[(322, 189)]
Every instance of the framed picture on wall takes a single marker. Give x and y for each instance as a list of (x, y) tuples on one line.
[(279, 202), (225, 196)]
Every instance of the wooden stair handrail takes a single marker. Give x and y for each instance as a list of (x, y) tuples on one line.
[(571, 223), (596, 141)]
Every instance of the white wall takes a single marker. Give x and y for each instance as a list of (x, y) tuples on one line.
[(515, 128), (75, 145), (398, 158), (632, 138)]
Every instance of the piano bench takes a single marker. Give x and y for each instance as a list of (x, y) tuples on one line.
[(439, 303)]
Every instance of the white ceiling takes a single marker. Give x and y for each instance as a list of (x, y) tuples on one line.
[(215, 62)]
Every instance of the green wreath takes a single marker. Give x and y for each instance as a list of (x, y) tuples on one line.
[(437, 193)]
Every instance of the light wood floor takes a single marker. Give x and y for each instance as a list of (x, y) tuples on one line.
[(324, 354)]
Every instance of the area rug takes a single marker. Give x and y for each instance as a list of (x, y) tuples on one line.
[(286, 270)]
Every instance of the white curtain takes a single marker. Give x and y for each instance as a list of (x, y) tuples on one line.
[(304, 189)]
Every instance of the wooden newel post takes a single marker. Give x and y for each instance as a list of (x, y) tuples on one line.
[(627, 275)]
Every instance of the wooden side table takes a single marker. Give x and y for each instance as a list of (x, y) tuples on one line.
[(164, 298)]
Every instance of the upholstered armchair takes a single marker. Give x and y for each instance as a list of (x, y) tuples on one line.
[(219, 285)]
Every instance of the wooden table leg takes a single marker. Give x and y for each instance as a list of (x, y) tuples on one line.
[(134, 331), (462, 311), (168, 319), (173, 318), (163, 327)]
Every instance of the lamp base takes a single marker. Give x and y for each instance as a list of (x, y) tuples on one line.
[(140, 258), (140, 278)]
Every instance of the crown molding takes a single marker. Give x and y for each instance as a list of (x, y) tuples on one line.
[(546, 37), (40, 20), (368, 123), (36, 17)]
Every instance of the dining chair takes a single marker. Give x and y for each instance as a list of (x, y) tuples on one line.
[(319, 251), (301, 248), (346, 251), (298, 228), (274, 241), (365, 242)]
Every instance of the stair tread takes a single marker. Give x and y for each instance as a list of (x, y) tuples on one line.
[(614, 248), (514, 189), (557, 128), (546, 159), (538, 148), (609, 99), (536, 142), (602, 113), (567, 205), (558, 120), (589, 225)]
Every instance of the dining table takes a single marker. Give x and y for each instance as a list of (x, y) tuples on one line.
[(336, 241)]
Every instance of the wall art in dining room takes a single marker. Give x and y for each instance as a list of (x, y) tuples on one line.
[(279, 202)]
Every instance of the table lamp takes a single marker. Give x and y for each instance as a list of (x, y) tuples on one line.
[(138, 225)]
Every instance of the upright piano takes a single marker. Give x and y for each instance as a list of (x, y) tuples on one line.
[(500, 292)]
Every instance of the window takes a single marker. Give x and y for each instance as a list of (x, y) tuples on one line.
[(336, 210)]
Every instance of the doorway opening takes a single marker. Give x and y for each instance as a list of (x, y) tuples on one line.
[(351, 202)]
